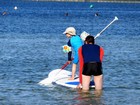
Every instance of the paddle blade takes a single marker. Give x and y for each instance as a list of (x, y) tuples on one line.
[(46, 81), (53, 76)]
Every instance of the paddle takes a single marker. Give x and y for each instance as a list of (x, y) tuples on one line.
[(106, 27), (49, 80)]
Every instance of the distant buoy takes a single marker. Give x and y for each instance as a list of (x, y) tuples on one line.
[(91, 6), (15, 8)]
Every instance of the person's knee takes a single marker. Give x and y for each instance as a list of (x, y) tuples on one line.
[(98, 87), (98, 82)]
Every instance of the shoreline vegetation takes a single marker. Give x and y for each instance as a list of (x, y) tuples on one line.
[(113, 1)]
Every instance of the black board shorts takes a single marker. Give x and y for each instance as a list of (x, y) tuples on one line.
[(92, 68)]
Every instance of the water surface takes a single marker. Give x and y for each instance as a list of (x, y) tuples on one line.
[(31, 39)]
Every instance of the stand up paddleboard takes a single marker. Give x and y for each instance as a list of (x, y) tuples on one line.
[(60, 77)]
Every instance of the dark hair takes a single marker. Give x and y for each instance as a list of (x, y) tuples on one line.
[(90, 39)]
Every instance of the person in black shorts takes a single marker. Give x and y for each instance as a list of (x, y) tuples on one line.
[(92, 68), (90, 60)]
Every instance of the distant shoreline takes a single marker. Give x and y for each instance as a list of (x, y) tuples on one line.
[(105, 1)]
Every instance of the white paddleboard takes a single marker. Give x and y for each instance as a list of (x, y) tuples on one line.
[(71, 83), (60, 77)]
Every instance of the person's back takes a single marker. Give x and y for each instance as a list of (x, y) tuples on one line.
[(76, 42), (89, 49)]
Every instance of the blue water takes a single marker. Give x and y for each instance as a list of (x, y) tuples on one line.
[(30, 47)]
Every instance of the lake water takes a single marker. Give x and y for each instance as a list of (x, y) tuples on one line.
[(31, 43)]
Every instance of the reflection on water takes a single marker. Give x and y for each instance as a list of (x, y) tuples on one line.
[(91, 97)]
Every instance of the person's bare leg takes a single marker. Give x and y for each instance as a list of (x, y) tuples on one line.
[(73, 71), (98, 80), (85, 82)]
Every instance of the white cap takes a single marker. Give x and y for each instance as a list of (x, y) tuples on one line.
[(84, 35), (70, 30)]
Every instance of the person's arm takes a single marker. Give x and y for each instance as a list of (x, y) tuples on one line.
[(101, 54), (69, 53), (81, 63)]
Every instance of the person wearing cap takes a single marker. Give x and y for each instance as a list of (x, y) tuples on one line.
[(74, 42), (90, 63), (83, 35)]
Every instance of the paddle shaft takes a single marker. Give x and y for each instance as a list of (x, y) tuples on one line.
[(50, 80), (106, 27), (65, 65)]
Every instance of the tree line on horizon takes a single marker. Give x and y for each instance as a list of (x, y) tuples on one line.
[(90, 0)]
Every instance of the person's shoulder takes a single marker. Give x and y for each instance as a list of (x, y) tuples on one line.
[(85, 44), (76, 37), (96, 45)]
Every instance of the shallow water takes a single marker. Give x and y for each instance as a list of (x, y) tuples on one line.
[(31, 39)]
